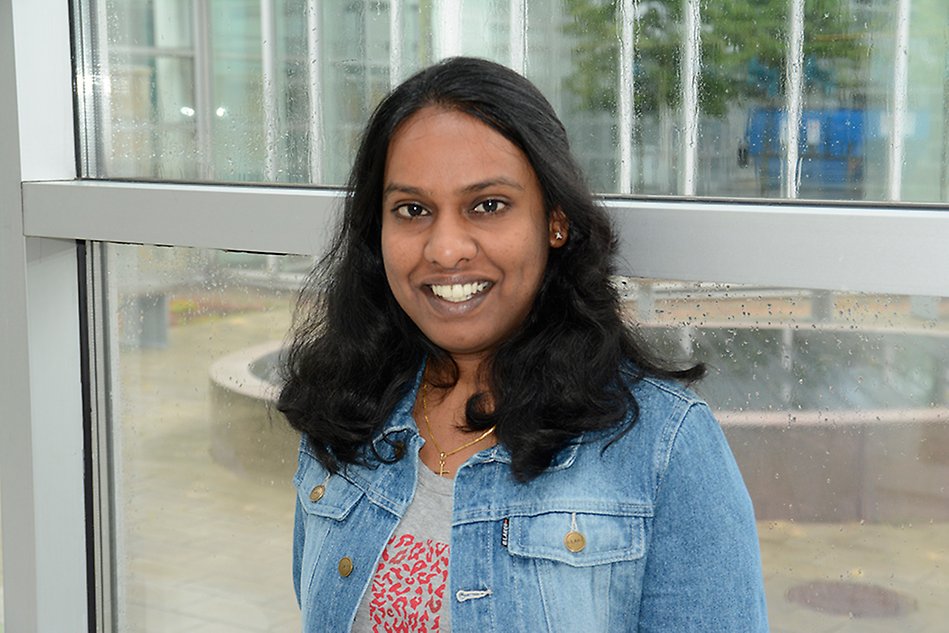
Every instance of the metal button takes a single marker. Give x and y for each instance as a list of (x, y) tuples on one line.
[(345, 566), (317, 493), (574, 541)]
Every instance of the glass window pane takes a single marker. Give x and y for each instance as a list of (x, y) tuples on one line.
[(202, 465), (1, 576), (749, 98), (836, 407)]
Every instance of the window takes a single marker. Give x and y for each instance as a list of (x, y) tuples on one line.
[(201, 460), (834, 100), (828, 341)]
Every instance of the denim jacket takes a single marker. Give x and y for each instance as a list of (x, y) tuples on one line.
[(669, 536)]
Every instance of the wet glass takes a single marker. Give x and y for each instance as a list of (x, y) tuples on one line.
[(746, 98), (747, 92), (836, 407), (203, 507)]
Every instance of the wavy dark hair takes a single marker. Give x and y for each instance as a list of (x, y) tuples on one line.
[(354, 353)]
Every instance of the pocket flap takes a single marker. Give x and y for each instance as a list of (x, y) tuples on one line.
[(606, 538), (322, 494)]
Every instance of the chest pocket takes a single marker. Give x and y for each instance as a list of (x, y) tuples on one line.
[(322, 495), (578, 539)]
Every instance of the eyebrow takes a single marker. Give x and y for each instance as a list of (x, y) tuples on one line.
[(467, 189)]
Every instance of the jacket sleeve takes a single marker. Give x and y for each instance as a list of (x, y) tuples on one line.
[(703, 571), (298, 536)]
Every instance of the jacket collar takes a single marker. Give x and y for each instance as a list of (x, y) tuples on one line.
[(401, 420), (563, 459)]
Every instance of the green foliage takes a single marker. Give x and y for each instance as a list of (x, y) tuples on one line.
[(743, 51), (596, 55)]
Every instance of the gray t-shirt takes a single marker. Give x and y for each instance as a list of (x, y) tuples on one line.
[(409, 590)]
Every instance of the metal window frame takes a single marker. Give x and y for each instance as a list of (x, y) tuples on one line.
[(42, 469), (897, 249), (883, 248)]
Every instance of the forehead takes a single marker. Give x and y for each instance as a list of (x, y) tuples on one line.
[(437, 141), (440, 119)]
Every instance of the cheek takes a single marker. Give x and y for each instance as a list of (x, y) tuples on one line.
[(525, 268), (395, 261), (533, 251)]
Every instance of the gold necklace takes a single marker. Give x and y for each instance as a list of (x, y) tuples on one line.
[(444, 455)]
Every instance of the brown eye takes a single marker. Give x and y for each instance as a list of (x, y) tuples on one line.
[(410, 210), (490, 206)]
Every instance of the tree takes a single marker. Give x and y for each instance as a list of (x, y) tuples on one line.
[(743, 53)]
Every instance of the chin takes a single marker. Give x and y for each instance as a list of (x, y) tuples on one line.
[(456, 348)]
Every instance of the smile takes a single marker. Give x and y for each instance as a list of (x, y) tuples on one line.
[(459, 293)]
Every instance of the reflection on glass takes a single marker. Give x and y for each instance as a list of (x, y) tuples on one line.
[(203, 507), (748, 96), (836, 407), (244, 90)]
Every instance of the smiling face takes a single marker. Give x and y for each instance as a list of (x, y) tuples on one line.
[(464, 232)]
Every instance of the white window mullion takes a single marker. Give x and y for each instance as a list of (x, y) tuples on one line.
[(448, 31), (795, 97), (897, 129), (691, 67), (627, 94), (203, 91), (518, 35), (395, 43), (268, 59), (314, 51)]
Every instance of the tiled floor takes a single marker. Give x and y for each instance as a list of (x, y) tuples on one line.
[(910, 560), (204, 550)]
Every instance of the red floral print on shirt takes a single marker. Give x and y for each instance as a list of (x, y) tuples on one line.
[(409, 586)]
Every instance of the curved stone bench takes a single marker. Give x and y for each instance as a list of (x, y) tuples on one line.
[(832, 464)]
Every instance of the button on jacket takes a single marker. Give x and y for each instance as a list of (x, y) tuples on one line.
[(653, 533)]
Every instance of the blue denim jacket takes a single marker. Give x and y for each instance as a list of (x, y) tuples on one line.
[(670, 536)]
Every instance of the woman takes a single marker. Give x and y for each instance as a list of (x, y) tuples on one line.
[(485, 444)]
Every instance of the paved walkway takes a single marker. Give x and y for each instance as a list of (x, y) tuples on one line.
[(203, 549), (910, 560)]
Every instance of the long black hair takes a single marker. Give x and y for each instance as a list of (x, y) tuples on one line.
[(354, 353)]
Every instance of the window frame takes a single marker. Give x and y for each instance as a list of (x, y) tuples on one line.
[(45, 469), (875, 248), (42, 456)]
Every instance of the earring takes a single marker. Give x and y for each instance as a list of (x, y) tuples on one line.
[(558, 236)]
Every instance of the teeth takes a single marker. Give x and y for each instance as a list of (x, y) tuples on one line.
[(457, 293)]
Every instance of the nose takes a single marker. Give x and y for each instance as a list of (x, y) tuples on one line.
[(450, 242)]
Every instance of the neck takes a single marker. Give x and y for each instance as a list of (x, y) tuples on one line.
[(440, 414), (470, 376)]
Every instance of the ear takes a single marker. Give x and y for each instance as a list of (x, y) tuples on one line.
[(558, 228)]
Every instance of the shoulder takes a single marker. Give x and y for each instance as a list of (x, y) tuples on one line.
[(660, 394), (647, 440), (662, 406)]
